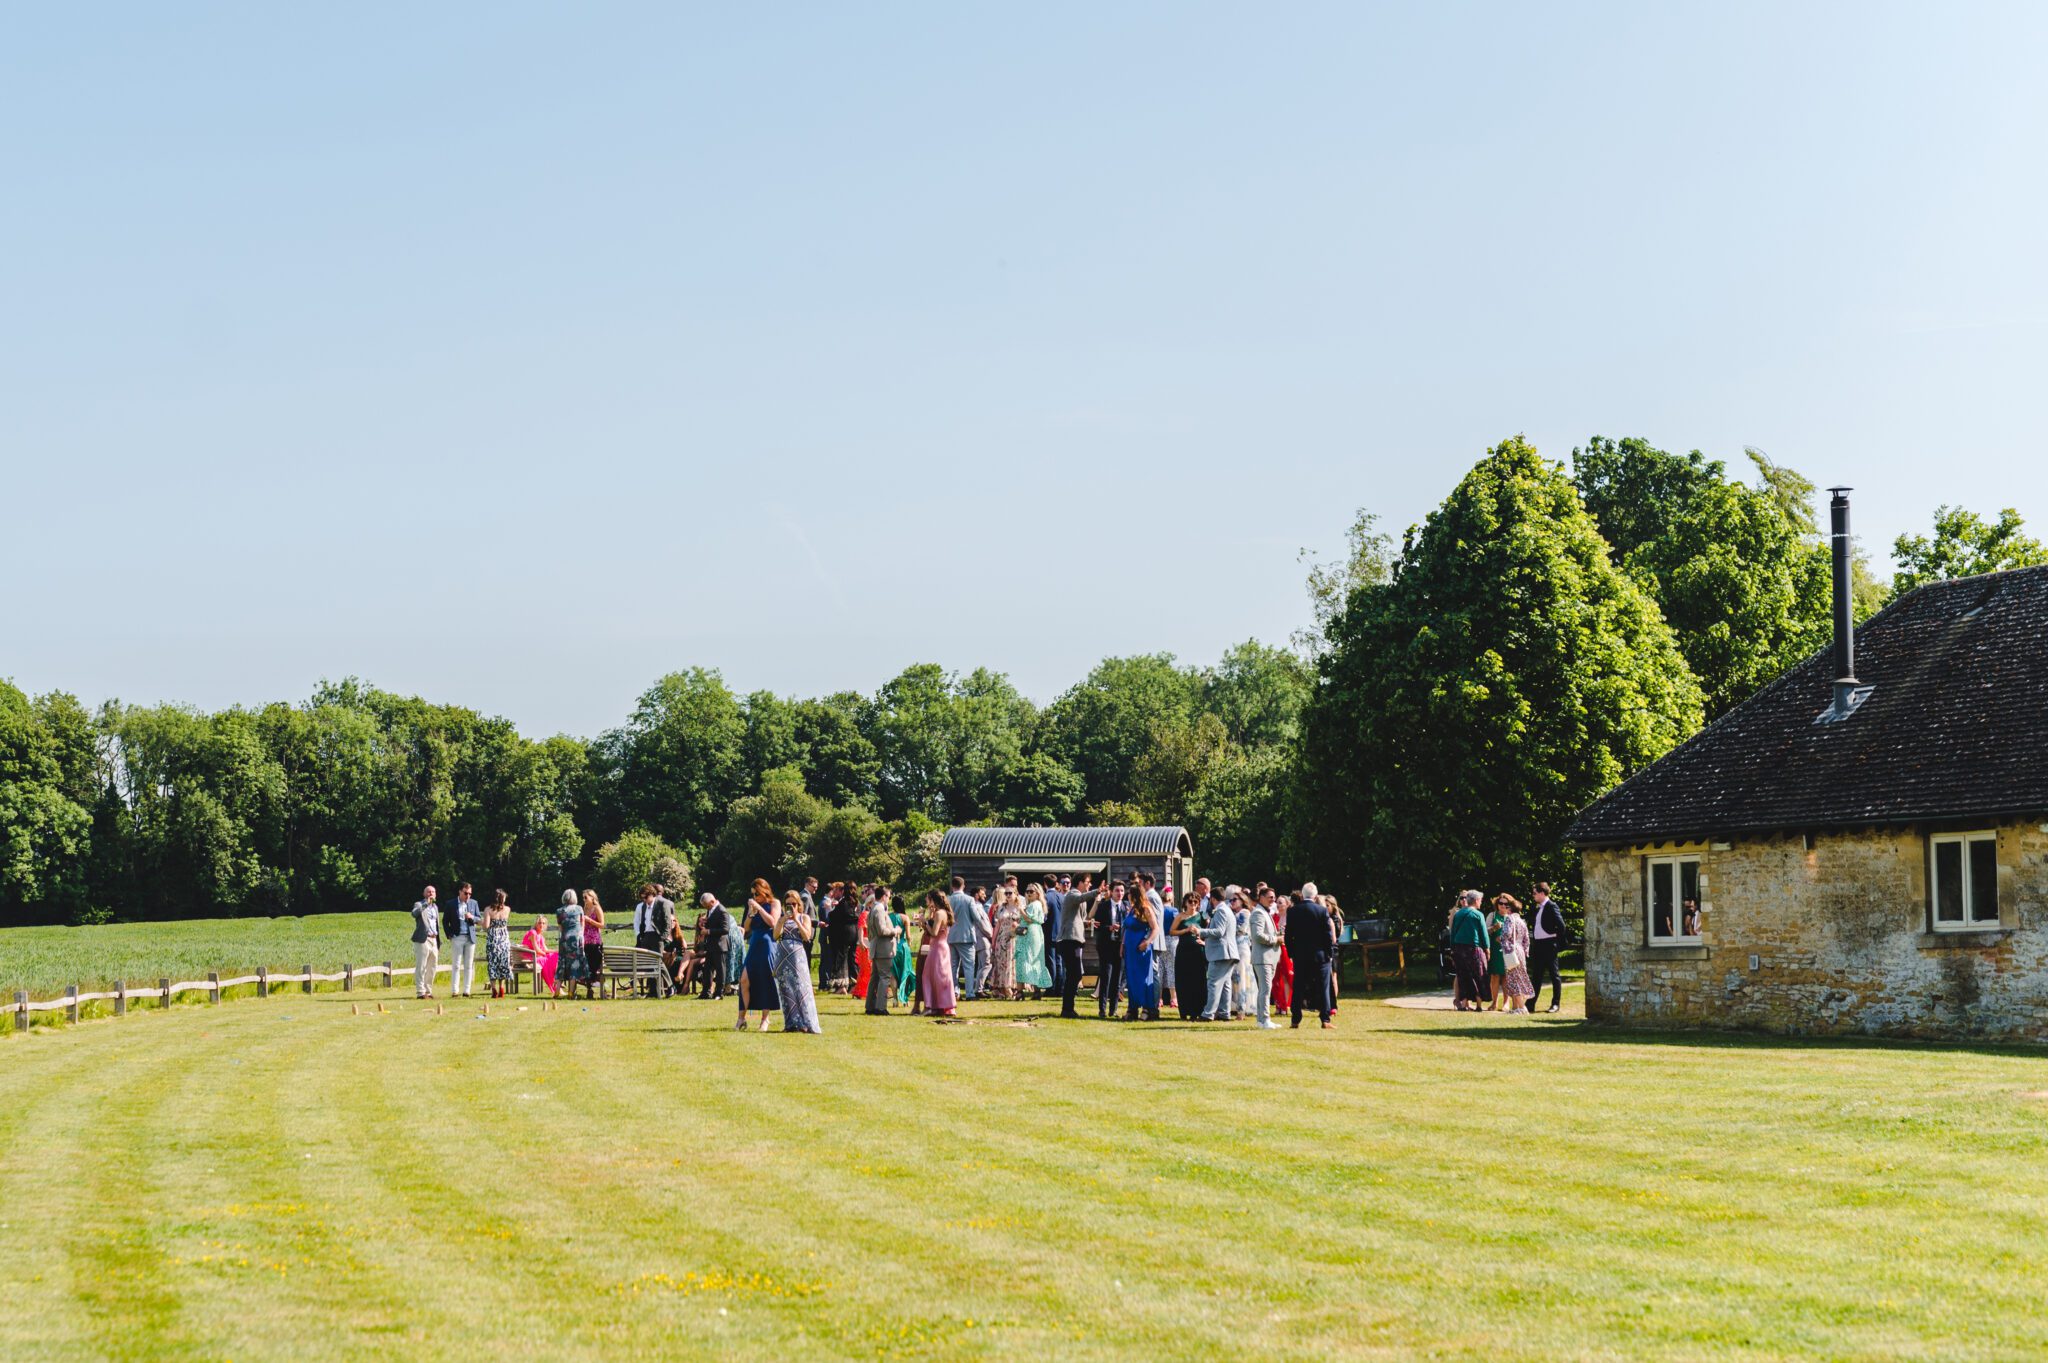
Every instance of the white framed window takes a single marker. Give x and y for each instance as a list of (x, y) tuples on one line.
[(1671, 900), (1962, 881)]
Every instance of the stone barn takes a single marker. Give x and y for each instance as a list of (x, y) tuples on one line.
[(983, 856), (1861, 847)]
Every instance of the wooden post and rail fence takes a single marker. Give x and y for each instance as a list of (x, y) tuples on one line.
[(165, 990)]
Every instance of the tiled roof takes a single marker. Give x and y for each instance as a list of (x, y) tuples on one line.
[(1957, 727), (1064, 842)]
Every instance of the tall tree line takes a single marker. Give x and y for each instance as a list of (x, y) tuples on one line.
[(352, 797), (1544, 633)]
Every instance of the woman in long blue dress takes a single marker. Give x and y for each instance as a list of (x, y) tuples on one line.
[(1141, 977), (757, 981), (793, 967), (571, 968)]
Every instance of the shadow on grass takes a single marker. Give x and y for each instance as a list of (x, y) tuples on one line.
[(1581, 1032)]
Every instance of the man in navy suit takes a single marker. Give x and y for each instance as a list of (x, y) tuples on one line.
[(1311, 945), (1055, 906)]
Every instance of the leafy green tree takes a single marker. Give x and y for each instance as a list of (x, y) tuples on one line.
[(45, 833), (917, 839), (639, 858), (1964, 544), (1746, 594), (677, 764), (1258, 692), (1104, 724), (1633, 490), (1368, 561), (771, 739), (764, 836), (1037, 790), (839, 760), (206, 802), (1237, 815), (912, 735), (948, 745), (1790, 492), (1509, 674), (1179, 755), (1119, 814), (1737, 571), (850, 843)]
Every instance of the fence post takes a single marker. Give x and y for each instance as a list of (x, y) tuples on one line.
[(387, 974), (348, 977), (21, 1010), (163, 987), (309, 977), (262, 981), (213, 986), (120, 998), (71, 1009)]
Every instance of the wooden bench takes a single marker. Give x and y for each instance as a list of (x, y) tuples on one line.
[(523, 962), (633, 967)]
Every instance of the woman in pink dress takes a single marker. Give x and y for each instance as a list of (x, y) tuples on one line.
[(535, 945), (935, 990)]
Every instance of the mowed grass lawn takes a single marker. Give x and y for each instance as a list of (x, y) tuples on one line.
[(282, 1179)]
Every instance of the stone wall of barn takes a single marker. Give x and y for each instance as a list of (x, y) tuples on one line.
[(1831, 938)]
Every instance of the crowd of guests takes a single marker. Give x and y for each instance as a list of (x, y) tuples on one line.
[(1500, 959), (1218, 954)]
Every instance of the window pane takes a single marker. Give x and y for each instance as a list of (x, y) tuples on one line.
[(1688, 899), (1660, 899), (1948, 882), (1984, 881)]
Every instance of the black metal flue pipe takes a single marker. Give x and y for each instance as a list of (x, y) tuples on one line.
[(1845, 621)]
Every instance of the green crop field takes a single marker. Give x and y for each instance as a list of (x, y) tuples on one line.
[(293, 1179), (44, 960)]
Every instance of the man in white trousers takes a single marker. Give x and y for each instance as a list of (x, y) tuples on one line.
[(426, 944)]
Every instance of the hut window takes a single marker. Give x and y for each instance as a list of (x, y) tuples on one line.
[(1964, 881), (1671, 900)]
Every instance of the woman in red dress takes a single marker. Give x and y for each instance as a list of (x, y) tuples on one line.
[(1283, 972), (863, 967)]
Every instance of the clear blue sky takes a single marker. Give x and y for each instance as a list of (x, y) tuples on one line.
[(513, 355)]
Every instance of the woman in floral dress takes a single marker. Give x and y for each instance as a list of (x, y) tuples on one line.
[(1514, 951), (570, 966), (1006, 918), (792, 965), (498, 944)]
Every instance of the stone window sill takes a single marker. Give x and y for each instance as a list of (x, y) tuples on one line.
[(1976, 937), (1688, 953)]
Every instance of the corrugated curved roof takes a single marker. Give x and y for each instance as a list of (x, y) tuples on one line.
[(1066, 842)]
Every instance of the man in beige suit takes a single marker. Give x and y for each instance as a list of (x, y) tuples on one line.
[(426, 944)]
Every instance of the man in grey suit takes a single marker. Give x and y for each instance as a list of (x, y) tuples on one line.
[(970, 925), (461, 930), (882, 935), (1265, 950), (426, 944), (1219, 949)]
